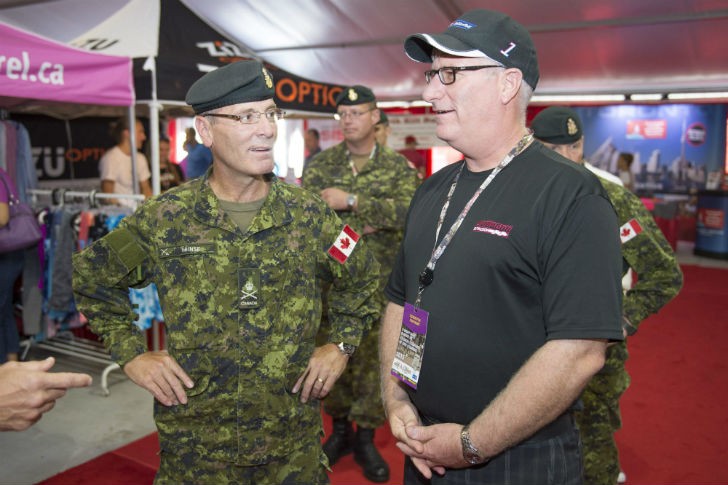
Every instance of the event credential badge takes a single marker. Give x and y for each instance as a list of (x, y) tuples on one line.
[(411, 346)]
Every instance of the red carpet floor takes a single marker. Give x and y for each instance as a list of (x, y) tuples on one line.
[(675, 423), (674, 415)]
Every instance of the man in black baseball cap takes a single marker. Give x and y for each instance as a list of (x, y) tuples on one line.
[(492, 327)]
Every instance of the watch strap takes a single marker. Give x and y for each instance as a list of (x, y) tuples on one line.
[(346, 349), (471, 454), (351, 201)]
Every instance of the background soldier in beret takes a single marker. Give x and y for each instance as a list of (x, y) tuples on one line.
[(370, 187), (238, 258), (659, 279), (382, 129)]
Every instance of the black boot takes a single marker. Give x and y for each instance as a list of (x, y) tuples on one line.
[(367, 456), (340, 442)]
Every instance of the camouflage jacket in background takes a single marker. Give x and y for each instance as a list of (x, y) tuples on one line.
[(648, 253), (241, 311), (384, 188)]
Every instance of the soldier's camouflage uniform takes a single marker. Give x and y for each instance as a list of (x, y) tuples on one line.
[(659, 279), (384, 188), (241, 311)]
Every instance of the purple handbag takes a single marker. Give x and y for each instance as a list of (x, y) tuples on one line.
[(22, 230)]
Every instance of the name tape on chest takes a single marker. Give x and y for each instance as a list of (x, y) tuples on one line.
[(344, 244), (186, 250)]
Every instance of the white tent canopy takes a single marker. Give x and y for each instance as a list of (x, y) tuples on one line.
[(584, 46)]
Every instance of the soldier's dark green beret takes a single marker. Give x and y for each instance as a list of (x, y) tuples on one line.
[(383, 118), (239, 82), (557, 125), (355, 95)]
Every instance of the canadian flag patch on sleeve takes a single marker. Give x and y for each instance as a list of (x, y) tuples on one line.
[(344, 244), (629, 230)]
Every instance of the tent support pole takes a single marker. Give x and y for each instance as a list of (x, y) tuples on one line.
[(132, 142), (154, 107)]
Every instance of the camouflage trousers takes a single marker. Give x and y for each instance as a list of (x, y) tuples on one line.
[(600, 418), (306, 465), (357, 394)]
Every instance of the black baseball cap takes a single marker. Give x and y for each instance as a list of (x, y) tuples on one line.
[(480, 33)]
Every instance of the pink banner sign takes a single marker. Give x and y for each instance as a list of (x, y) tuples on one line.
[(32, 67)]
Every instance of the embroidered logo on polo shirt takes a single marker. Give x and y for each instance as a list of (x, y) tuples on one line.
[(492, 227)]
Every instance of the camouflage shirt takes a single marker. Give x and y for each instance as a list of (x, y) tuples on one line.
[(241, 311), (647, 252), (384, 189)]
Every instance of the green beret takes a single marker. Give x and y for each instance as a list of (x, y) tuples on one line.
[(355, 95), (239, 82), (383, 119), (557, 125)]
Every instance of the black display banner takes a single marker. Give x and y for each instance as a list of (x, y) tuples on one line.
[(188, 48), (60, 157)]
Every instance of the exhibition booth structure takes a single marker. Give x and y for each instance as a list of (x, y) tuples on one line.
[(147, 55), (45, 76)]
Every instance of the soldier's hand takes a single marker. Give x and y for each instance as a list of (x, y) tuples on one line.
[(324, 368), (161, 375), (335, 198)]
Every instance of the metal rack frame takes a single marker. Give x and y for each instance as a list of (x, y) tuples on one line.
[(65, 342)]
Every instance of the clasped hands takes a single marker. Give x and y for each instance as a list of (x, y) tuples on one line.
[(432, 448), (164, 378)]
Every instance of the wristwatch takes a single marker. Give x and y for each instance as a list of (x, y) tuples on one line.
[(346, 349), (350, 202), (470, 452)]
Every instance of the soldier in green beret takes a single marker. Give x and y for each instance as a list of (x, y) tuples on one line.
[(370, 186), (239, 260), (382, 129), (659, 279)]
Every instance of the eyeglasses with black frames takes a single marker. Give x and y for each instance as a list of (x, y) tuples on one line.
[(351, 114), (447, 74), (252, 117)]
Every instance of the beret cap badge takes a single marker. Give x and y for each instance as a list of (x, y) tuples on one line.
[(268, 79), (352, 95), (571, 127)]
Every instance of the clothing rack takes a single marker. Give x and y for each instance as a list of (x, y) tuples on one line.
[(62, 196), (65, 342)]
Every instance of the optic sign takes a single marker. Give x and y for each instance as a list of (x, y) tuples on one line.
[(646, 129), (695, 134)]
